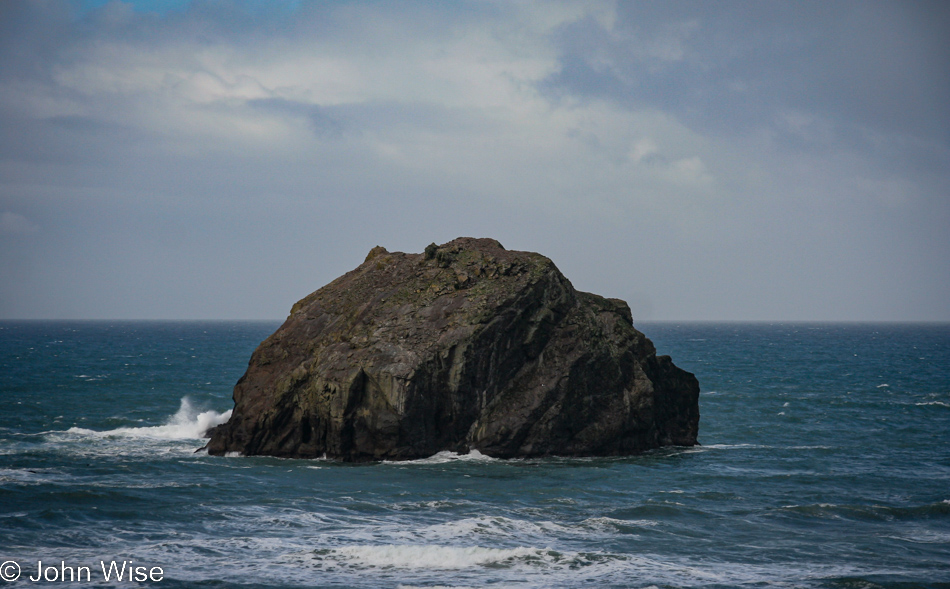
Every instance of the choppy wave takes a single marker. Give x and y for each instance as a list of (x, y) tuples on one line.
[(528, 566), (446, 457), (188, 423), (501, 528), (734, 446), (435, 557), (870, 512), (402, 586)]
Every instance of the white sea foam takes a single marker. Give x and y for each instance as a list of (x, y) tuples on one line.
[(494, 527), (186, 424), (550, 567), (610, 524), (941, 403), (30, 476), (439, 587), (280, 561), (434, 557), (499, 528), (445, 456), (921, 536)]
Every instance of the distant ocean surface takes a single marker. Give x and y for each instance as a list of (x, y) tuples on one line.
[(825, 463)]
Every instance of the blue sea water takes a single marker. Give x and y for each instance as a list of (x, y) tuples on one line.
[(825, 463)]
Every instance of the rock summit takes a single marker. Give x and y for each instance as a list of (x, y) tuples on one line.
[(467, 346)]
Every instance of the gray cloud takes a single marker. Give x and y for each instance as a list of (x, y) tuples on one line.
[(728, 67), (741, 161), (16, 224)]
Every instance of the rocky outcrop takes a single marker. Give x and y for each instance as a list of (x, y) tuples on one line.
[(466, 346)]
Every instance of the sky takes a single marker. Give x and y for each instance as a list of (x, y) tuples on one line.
[(715, 161)]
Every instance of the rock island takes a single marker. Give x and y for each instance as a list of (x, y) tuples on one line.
[(467, 346)]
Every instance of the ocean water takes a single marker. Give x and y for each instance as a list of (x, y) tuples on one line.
[(825, 463)]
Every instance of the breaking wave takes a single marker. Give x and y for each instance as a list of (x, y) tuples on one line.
[(432, 557), (188, 423), (446, 456)]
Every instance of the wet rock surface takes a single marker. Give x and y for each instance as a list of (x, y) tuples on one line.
[(465, 346)]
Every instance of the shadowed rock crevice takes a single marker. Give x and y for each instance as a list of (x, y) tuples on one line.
[(465, 346)]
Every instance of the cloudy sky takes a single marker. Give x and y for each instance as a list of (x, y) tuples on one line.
[(703, 161)]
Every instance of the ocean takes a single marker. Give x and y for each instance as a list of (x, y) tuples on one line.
[(825, 463)]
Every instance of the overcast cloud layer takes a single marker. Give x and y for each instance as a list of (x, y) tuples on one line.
[(710, 161)]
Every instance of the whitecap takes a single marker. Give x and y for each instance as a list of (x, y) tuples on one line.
[(30, 476), (492, 526), (446, 456), (432, 557), (433, 587), (188, 423), (610, 524)]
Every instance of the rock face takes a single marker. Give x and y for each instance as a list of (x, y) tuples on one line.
[(467, 346)]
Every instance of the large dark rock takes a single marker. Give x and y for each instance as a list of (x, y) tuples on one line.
[(467, 346)]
